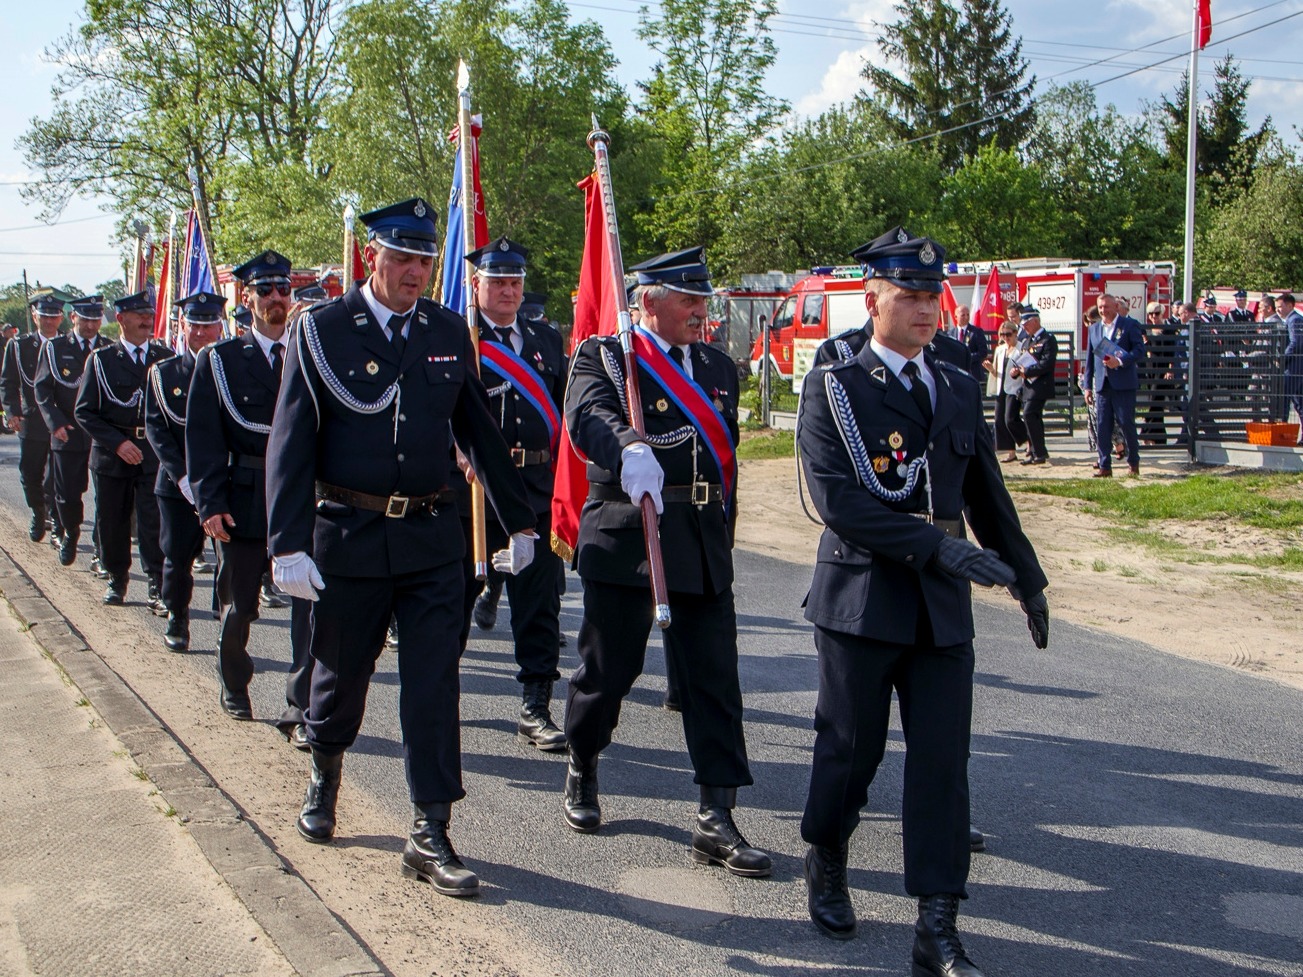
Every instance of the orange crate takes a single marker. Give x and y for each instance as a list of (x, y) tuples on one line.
[(1278, 435)]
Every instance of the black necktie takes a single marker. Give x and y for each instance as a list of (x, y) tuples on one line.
[(140, 356), (676, 354), (504, 333), (918, 390), (396, 323), (277, 360)]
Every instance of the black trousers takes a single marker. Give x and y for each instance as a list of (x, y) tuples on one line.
[(1116, 410), (298, 681), (1033, 412), (935, 689), (241, 563), (70, 476), (36, 475), (349, 623), (181, 537), (1010, 431), (535, 604), (115, 500), (702, 643), (471, 587)]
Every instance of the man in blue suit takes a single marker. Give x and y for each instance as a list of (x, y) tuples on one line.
[(1114, 348)]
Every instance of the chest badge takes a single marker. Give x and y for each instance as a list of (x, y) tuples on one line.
[(881, 463), (66, 371), (372, 367), (895, 439), (719, 405), (662, 405), (176, 391)]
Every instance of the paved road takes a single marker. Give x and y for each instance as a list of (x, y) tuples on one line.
[(1145, 813)]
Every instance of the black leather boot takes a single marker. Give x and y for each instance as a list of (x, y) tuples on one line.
[(830, 900), (177, 635), (317, 819), (36, 531), (535, 725), (429, 855), (485, 612), (116, 594), (582, 810), (716, 840), (976, 840), (67, 550), (937, 950), (154, 600)]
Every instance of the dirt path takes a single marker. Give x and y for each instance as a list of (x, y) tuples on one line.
[(1232, 615)]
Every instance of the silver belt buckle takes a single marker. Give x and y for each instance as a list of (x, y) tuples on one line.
[(700, 493), (397, 507), (518, 457), (925, 516), (140, 432)]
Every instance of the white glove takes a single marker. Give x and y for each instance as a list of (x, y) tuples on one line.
[(641, 474), (517, 555), (186, 490), (297, 575)]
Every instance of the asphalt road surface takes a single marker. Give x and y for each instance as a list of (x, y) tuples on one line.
[(1144, 813)]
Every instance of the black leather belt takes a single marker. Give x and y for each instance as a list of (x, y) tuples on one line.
[(132, 432), (393, 506), (951, 527), (256, 462), (700, 493), (523, 459)]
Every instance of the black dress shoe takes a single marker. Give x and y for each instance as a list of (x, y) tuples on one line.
[(535, 725), (829, 898), (671, 702), (430, 857), (97, 568), (716, 840), (235, 704), (155, 599), (67, 550), (316, 821), (36, 531), (268, 597), (937, 950), (976, 840), (116, 595), (297, 735), (177, 636), (582, 810)]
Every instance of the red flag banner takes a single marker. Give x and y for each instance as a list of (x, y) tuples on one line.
[(989, 317), (1205, 23), (595, 315), (948, 306), (163, 295), (359, 266)]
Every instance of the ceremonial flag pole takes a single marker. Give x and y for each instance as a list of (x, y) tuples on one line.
[(350, 244), (1201, 33), (464, 275), (205, 231), (598, 141)]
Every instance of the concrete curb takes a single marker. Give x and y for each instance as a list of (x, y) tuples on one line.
[(312, 939)]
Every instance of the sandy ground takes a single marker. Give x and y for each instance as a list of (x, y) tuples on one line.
[(1237, 616)]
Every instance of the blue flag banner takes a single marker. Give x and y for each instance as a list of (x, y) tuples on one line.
[(196, 273), (454, 246)]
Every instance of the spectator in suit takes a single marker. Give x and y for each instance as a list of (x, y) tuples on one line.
[(976, 341), (1115, 346), (1267, 309), (1010, 431), (1038, 382), (1293, 354)]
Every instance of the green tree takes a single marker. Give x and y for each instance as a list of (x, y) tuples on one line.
[(956, 71), (1253, 239), (995, 206), (706, 100), (1226, 151), (1114, 195)]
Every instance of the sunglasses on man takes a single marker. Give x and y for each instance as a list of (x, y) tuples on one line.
[(266, 288)]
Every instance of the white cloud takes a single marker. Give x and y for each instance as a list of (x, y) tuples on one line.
[(840, 82)]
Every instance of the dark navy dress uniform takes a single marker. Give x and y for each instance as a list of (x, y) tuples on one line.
[(891, 483), (58, 379), (181, 536), (17, 379), (229, 415), (533, 593), (111, 409), (332, 441), (848, 344)]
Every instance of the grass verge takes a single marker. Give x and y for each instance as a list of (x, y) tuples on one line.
[(766, 444)]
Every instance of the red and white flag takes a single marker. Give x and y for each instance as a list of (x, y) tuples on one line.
[(1205, 23), (596, 314), (989, 316)]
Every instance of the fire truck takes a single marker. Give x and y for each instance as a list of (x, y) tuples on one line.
[(831, 300)]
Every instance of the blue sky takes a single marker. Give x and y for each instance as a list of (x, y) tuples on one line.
[(820, 51)]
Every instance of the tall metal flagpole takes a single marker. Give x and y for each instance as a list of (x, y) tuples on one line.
[(201, 215), (1191, 148), (465, 133), (598, 141), (347, 277)]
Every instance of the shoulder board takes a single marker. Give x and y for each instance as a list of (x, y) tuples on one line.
[(838, 365), (228, 341), (947, 365)]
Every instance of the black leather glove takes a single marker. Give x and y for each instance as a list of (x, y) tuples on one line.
[(1037, 609), (960, 558)]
